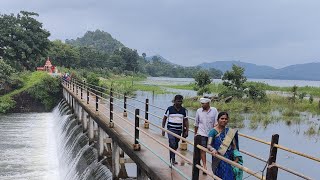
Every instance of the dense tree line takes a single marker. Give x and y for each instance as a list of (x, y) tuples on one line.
[(24, 44), (90, 51), (8, 78), (123, 59), (23, 40)]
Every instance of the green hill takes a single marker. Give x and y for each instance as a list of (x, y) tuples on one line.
[(99, 40)]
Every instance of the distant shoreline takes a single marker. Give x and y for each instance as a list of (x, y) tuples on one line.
[(271, 82)]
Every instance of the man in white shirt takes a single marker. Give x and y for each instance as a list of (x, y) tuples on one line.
[(206, 117)]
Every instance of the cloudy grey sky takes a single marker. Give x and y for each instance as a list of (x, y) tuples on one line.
[(186, 32)]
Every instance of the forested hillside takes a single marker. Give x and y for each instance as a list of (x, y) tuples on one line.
[(156, 67), (24, 45), (98, 49), (99, 40)]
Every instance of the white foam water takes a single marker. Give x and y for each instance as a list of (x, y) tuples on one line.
[(28, 147)]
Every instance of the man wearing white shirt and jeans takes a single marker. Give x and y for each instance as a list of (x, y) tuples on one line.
[(206, 117)]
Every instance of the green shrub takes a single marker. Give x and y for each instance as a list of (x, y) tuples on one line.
[(234, 80), (203, 90), (231, 92), (256, 93), (202, 78), (302, 95), (311, 99), (6, 103), (294, 91), (93, 79), (47, 91)]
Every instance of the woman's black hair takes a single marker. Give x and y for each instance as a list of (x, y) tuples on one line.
[(221, 114)]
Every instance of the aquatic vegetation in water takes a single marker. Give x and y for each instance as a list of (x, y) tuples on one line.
[(262, 112), (312, 131), (292, 120), (236, 120), (290, 113), (219, 87), (262, 118), (253, 125)]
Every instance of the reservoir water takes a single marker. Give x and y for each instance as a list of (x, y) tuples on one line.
[(272, 82), (52, 146)]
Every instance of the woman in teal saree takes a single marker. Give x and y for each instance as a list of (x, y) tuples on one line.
[(224, 141)]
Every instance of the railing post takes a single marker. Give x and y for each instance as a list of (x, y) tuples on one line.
[(88, 95), (146, 114), (111, 108), (136, 145), (196, 158), (97, 102), (76, 89), (72, 85), (272, 170), (81, 91), (101, 92), (111, 105), (125, 114), (72, 107)]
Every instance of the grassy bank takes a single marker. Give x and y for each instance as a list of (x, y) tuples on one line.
[(40, 85), (218, 87), (128, 85)]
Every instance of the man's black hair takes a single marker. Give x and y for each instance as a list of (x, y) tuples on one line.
[(178, 97)]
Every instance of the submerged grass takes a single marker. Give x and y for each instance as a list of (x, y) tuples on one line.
[(262, 118), (314, 91), (190, 86), (312, 131), (219, 87), (236, 120), (213, 87), (275, 108), (273, 103)]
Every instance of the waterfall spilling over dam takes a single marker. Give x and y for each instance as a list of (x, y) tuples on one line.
[(77, 160), (28, 146), (47, 146)]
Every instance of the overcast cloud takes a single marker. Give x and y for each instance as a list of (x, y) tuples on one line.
[(273, 32)]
